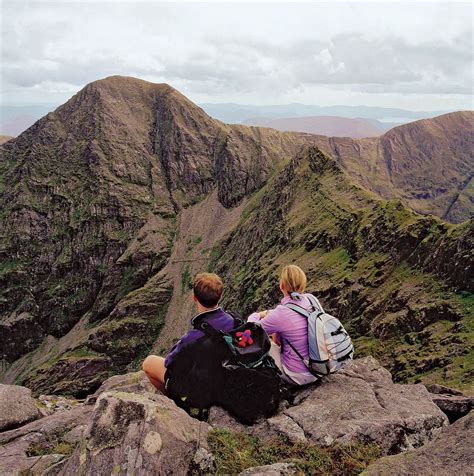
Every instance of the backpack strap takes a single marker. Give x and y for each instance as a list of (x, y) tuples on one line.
[(238, 320), (300, 310), (207, 329), (305, 361), (314, 302)]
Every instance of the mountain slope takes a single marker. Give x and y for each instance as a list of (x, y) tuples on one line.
[(401, 282), (427, 164), (332, 126), (112, 202)]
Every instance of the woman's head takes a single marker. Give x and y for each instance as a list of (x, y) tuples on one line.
[(292, 279)]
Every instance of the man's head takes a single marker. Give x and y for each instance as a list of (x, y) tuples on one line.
[(207, 289)]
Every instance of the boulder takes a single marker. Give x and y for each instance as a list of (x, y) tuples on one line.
[(17, 406), (133, 382), (131, 433), (449, 453), (453, 403), (361, 403), (36, 447)]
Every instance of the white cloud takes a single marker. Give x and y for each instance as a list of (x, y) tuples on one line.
[(247, 53)]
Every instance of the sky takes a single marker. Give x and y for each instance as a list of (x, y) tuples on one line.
[(412, 55)]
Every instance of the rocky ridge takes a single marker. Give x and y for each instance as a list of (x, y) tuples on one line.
[(427, 164), (126, 426)]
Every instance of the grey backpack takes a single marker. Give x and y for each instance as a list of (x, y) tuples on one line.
[(330, 347)]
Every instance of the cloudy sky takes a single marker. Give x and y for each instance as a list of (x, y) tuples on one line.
[(414, 55)]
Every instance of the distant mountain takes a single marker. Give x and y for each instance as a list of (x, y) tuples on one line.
[(428, 164), (238, 113), (322, 125), (5, 138), (16, 119), (112, 202)]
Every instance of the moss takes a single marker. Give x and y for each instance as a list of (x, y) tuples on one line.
[(185, 280), (235, 452)]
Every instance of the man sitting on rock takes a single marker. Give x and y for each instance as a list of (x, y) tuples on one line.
[(207, 291)]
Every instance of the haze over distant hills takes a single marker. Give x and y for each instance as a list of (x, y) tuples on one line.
[(331, 126), (239, 113)]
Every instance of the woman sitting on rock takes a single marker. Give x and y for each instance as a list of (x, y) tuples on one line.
[(289, 329)]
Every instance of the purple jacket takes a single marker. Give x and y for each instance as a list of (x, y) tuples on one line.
[(289, 326), (217, 318)]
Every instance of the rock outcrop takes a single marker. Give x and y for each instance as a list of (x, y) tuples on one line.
[(39, 445), (449, 453), (452, 402), (359, 403), (137, 434), (126, 427), (17, 406)]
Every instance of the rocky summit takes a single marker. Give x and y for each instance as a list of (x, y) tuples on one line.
[(338, 426)]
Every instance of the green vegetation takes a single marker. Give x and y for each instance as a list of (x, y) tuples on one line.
[(51, 444), (235, 452), (185, 280)]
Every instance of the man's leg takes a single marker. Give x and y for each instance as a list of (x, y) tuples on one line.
[(154, 367)]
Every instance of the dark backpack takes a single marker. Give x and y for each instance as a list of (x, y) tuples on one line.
[(229, 369)]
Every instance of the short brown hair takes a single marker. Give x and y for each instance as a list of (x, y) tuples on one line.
[(293, 279), (207, 288)]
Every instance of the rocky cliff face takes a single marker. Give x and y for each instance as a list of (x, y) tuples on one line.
[(113, 201)]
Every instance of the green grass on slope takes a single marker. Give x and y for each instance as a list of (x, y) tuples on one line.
[(235, 452)]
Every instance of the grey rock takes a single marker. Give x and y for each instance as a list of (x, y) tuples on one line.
[(204, 462), (447, 454), (453, 406), (442, 390), (17, 406), (15, 444), (135, 382), (361, 403), (284, 425), (140, 434), (277, 469), (453, 403)]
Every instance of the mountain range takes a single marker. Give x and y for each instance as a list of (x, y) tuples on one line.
[(332, 126), (113, 201)]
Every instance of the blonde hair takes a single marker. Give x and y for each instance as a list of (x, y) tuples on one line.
[(293, 279)]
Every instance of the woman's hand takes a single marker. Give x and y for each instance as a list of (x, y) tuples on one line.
[(263, 314)]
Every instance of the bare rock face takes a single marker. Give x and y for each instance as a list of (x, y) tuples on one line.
[(362, 403), (359, 403), (37, 447), (449, 453), (132, 433), (17, 406)]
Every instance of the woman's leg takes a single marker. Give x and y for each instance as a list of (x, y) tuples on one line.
[(154, 367)]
